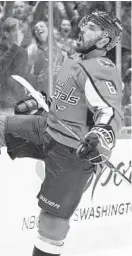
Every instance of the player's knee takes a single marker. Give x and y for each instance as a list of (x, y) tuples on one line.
[(53, 227)]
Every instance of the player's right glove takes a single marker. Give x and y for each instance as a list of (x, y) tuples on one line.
[(97, 144)]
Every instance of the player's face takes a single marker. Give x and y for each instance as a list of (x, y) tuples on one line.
[(88, 37), (19, 9), (41, 31)]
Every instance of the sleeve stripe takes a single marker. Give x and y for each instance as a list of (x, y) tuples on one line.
[(95, 99), (106, 116), (93, 85), (112, 117), (92, 96)]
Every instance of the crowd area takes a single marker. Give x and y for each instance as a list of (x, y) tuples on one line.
[(29, 56)]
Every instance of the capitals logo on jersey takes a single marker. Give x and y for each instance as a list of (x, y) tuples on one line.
[(65, 97)]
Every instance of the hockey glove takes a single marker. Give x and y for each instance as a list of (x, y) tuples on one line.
[(97, 144), (28, 105)]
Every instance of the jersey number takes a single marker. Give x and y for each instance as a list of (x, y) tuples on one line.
[(111, 87)]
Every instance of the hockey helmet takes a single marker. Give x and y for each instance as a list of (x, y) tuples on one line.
[(109, 24)]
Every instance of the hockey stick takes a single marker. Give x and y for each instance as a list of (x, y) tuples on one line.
[(39, 98)]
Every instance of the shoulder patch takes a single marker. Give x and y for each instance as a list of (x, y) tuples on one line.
[(105, 63), (74, 56)]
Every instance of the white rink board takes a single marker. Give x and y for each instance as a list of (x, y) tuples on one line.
[(99, 227)]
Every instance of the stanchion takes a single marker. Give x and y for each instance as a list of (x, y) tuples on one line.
[(50, 47)]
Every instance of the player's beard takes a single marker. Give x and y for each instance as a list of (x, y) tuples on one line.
[(84, 48)]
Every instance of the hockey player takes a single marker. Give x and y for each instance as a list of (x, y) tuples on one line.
[(87, 97)]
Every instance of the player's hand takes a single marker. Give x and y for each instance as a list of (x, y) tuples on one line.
[(97, 144)]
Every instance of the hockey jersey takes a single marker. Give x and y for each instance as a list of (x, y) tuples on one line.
[(87, 92)]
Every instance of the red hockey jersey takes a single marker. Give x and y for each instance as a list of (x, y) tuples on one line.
[(88, 91)]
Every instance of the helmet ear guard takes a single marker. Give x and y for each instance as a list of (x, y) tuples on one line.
[(102, 43)]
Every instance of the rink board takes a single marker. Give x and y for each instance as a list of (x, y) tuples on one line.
[(101, 226)]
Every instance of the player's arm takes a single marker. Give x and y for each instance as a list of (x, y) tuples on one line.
[(103, 100)]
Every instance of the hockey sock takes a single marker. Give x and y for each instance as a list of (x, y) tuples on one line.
[(37, 252)]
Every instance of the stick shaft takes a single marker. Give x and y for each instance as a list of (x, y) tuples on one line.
[(69, 129)]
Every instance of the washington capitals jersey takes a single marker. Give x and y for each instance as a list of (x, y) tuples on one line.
[(87, 92)]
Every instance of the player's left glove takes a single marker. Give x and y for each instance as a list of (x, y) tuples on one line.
[(97, 144)]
